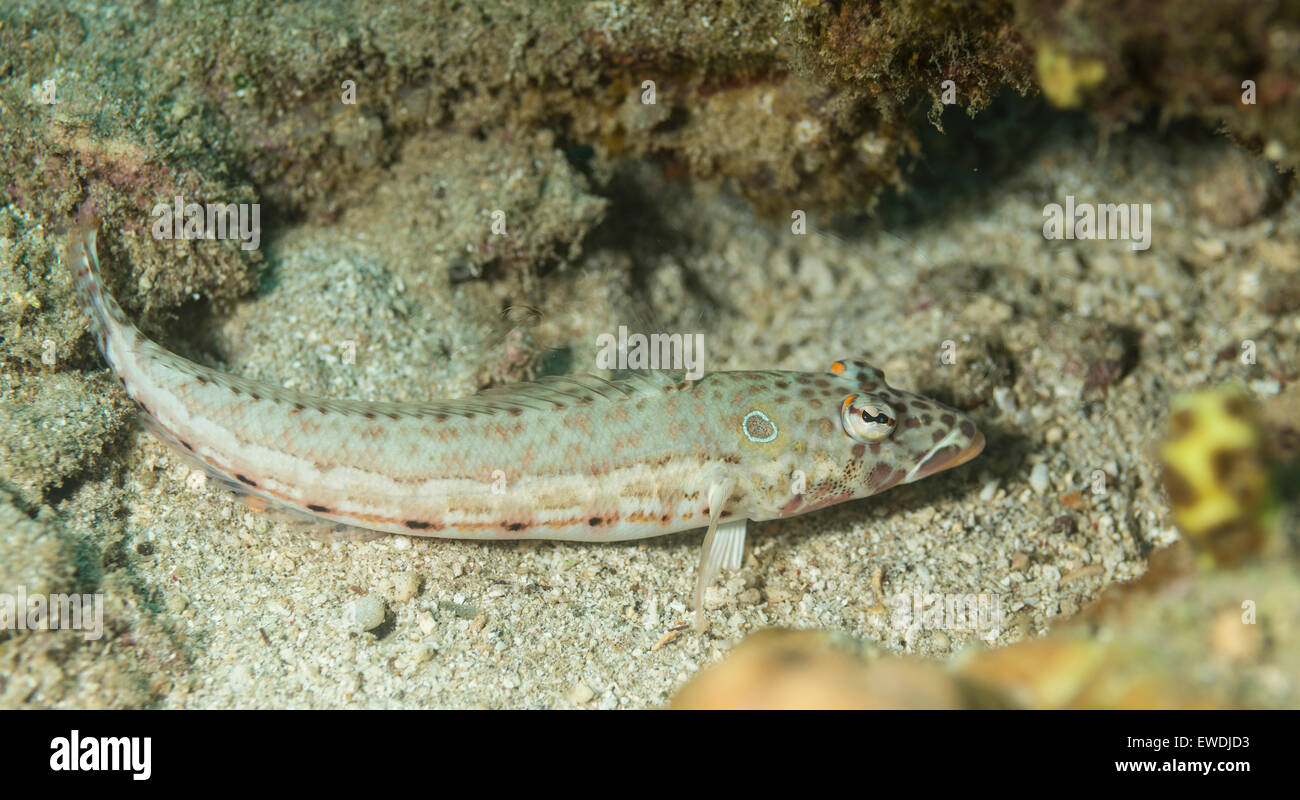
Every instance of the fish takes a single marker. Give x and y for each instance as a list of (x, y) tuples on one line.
[(574, 457)]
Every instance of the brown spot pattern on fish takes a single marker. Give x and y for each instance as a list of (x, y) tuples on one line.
[(584, 458)]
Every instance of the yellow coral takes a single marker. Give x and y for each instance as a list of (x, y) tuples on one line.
[(1216, 474), (1065, 79)]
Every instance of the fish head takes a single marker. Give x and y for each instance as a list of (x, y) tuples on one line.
[(858, 436), (898, 437)]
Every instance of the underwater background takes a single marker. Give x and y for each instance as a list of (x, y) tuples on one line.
[(455, 196)]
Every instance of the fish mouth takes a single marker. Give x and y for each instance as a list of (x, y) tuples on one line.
[(946, 456)]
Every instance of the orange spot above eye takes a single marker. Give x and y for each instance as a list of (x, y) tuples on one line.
[(848, 401), (837, 368)]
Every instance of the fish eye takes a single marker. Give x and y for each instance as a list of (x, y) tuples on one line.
[(866, 421)]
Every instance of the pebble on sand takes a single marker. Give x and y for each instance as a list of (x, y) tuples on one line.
[(1038, 479), (363, 614), (581, 694)]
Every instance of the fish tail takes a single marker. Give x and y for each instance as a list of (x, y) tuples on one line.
[(97, 303)]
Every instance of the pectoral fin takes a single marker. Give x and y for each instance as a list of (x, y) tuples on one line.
[(724, 546)]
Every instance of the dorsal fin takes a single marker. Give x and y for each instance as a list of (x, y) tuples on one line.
[(557, 391), (565, 390)]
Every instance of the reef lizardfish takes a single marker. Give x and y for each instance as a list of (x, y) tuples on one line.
[(575, 457)]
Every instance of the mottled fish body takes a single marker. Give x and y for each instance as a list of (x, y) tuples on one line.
[(577, 458)]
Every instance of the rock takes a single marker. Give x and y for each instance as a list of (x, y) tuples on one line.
[(363, 614), (1235, 190), (1039, 480), (403, 586)]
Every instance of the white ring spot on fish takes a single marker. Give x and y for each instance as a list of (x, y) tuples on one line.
[(758, 427)]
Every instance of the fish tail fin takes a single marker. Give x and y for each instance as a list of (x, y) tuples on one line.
[(82, 258)]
